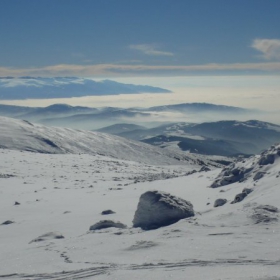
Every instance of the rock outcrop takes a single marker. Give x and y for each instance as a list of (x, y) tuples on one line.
[(255, 167), (230, 175)]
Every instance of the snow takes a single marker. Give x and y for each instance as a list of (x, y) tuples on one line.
[(23, 135), (63, 194)]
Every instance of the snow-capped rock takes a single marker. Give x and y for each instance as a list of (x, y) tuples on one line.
[(158, 209)]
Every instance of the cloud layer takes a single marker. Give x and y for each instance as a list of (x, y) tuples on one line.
[(270, 48), (150, 50), (113, 70)]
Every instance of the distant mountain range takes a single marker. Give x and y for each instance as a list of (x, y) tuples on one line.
[(95, 118), (200, 107), (149, 125), (226, 138), (66, 87)]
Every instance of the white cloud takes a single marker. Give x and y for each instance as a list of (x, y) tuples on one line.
[(270, 48), (123, 70), (150, 50)]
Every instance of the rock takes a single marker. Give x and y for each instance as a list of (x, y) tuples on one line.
[(231, 174), (48, 236), (107, 212), (265, 214), (239, 197), (142, 245), (204, 169), (267, 159), (247, 190), (17, 203), (220, 202), (268, 208), (258, 175), (106, 224), (158, 209), (8, 222)]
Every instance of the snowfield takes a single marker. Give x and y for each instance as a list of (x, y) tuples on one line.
[(50, 201)]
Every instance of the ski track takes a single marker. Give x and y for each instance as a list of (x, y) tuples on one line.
[(109, 268)]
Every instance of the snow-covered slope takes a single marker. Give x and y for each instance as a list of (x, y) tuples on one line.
[(45, 197), (23, 135)]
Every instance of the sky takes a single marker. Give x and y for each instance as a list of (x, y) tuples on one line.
[(131, 38), (148, 41)]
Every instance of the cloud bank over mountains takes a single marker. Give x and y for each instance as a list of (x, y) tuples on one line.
[(66, 87)]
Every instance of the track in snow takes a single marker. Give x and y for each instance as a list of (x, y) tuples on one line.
[(109, 268)]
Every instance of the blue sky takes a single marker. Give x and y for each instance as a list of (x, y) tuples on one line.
[(122, 38)]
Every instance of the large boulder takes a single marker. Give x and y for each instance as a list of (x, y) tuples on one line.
[(158, 209)]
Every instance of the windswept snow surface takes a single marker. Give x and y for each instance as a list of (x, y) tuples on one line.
[(64, 194), (23, 135)]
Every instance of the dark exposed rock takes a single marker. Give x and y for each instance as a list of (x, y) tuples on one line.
[(106, 224), (268, 208), (17, 203), (48, 236), (247, 190), (8, 222), (6, 176), (258, 175), (157, 209), (204, 169), (265, 214), (220, 202), (231, 174), (239, 197), (107, 212), (142, 245), (267, 159)]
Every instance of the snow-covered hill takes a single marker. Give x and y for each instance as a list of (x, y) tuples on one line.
[(23, 135)]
